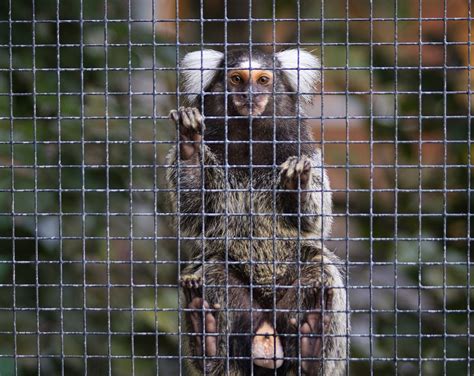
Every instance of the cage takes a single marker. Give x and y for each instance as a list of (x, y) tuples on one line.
[(89, 262)]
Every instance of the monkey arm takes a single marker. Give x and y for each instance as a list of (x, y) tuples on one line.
[(197, 188), (317, 209), (305, 195), (195, 178)]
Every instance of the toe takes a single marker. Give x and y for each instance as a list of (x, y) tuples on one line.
[(313, 320), (196, 303), (306, 341), (211, 328), (305, 329)]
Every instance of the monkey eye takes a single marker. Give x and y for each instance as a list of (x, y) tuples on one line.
[(236, 79), (263, 80)]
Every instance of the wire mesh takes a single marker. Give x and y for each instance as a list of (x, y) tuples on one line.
[(89, 260)]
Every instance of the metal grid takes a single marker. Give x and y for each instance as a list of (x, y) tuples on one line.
[(88, 261)]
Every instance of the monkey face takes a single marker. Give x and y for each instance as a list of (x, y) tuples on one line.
[(249, 90)]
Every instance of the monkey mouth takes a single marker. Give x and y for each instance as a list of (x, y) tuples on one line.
[(246, 110), (256, 108)]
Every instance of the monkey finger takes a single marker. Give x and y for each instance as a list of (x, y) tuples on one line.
[(285, 165), (189, 284), (288, 174), (300, 165), (184, 282), (307, 164), (187, 295), (198, 117), (185, 120), (190, 114), (289, 163), (186, 292), (196, 283), (292, 168), (174, 115), (303, 168)]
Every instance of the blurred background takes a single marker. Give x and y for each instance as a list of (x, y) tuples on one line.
[(88, 260)]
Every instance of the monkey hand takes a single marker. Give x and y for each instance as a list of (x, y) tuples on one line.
[(296, 174), (191, 126)]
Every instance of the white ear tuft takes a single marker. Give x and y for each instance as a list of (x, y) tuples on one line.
[(302, 70), (198, 69)]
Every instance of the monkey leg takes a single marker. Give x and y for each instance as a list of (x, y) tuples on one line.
[(314, 326), (312, 318), (190, 124), (240, 325), (200, 319), (240, 316), (312, 323)]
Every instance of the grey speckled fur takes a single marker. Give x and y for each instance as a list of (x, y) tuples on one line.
[(263, 246), (258, 249)]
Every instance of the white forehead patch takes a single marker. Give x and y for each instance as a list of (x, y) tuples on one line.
[(247, 64), (198, 69), (302, 70)]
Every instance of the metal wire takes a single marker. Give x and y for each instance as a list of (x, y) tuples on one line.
[(89, 262)]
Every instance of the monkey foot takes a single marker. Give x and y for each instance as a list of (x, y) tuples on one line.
[(313, 328), (296, 173), (189, 120), (267, 349), (192, 287)]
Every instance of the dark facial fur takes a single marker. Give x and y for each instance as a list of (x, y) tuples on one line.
[(260, 125)]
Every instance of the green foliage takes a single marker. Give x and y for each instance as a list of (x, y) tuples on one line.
[(62, 146), (69, 155)]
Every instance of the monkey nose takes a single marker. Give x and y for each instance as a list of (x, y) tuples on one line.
[(246, 96)]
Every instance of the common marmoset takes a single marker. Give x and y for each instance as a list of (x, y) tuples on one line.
[(248, 184)]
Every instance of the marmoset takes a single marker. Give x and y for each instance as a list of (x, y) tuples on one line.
[(262, 294)]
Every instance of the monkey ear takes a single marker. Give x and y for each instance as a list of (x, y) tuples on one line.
[(198, 69), (302, 71)]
